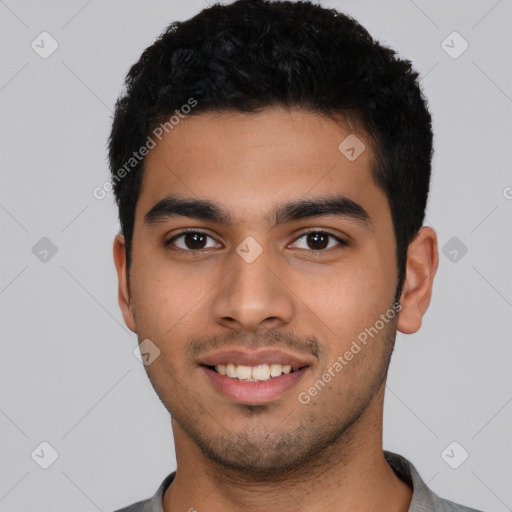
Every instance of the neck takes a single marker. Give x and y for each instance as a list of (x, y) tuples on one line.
[(351, 475)]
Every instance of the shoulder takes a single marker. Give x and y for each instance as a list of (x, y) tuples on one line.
[(442, 505), (423, 498), (153, 504), (140, 506)]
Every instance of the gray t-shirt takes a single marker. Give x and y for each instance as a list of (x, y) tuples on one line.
[(423, 499)]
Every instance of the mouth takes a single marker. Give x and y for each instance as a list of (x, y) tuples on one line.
[(253, 378), (259, 373)]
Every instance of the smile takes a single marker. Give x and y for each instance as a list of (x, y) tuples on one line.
[(259, 373)]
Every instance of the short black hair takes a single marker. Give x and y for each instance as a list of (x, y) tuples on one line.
[(253, 54)]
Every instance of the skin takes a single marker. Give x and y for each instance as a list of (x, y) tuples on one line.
[(282, 455)]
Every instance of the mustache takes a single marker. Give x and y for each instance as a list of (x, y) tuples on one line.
[(267, 339)]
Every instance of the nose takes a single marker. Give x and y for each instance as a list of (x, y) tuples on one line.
[(254, 295)]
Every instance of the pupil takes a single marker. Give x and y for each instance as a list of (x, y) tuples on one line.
[(316, 238), (195, 243)]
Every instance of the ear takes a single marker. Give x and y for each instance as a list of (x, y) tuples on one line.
[(123, 296), (421, 267)]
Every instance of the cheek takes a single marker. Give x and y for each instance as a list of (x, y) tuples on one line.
[(168, 297), (361, 282), (344, 303)]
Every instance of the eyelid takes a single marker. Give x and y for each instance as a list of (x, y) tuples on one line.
[(343, 242), (342, 236), (184, 232)]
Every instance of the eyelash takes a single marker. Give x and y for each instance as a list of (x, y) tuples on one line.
[(181, 234)]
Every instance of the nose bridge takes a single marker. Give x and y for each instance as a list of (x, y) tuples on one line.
[(253, 291)]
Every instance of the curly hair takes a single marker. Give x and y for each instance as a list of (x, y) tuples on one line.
[(253, 54)]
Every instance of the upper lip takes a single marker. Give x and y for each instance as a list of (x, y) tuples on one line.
[(254, 358)]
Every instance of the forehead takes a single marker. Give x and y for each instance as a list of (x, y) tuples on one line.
[(250, 161)]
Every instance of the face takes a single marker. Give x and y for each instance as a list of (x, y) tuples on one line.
[(282, 262)]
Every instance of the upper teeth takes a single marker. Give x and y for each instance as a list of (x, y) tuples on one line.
[(252, 373)]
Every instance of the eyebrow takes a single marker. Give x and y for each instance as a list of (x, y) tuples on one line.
[(206, 210)]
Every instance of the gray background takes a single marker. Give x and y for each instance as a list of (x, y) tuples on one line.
[(68, 375)]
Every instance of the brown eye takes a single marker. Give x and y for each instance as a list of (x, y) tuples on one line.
[(319, 241), (191, 241)]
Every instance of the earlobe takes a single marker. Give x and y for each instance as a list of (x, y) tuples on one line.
[(422, 262), (123, 296)]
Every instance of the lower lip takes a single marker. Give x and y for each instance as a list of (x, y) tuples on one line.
[(253, 393)]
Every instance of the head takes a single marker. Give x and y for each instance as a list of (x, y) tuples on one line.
[(283, 131)]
